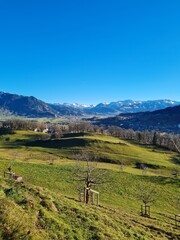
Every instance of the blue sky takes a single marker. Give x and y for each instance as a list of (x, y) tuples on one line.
[(89, 51)]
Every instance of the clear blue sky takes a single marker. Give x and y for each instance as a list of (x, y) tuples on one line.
[(89, 51)]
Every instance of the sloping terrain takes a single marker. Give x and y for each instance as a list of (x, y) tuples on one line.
[(109, 150), (25, 106), (32, 107), (165, 120), (46, 206), (31, 212)]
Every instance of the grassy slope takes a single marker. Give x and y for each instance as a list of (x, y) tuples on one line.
[(117, 218)]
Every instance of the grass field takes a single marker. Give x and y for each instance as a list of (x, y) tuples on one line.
[(48, 198)]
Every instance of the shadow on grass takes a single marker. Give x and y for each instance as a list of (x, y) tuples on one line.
[(60, 143), (176, 160), (140, 165), (162, 180), (70, 135)]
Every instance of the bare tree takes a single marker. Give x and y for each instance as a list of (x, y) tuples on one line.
[(147, 195), (52, 160), (176, 171), (144, 168), (174, 200), (88, 174), (122, 165), (178, 203)]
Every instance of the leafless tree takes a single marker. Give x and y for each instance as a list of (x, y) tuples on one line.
[(176, 171), (52, 160), (122, 165), (174, 200), (87, 173), (147, 195), (144, 168), (178, 203)]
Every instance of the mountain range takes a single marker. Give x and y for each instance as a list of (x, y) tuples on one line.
[(130, 106), (32, 107), (164, 120)]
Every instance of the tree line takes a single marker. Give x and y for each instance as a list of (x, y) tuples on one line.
[(159, 139)]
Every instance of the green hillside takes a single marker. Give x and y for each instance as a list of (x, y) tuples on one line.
[(46, 205)]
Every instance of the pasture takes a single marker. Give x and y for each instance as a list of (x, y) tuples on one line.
[(46, 166)]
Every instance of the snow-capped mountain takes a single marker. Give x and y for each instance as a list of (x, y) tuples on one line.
[(33, 107), (77, 105), (130, 106), (164, 120), (126, 106)]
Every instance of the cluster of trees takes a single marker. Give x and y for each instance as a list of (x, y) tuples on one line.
[(165, 140), (21, 124), (56, 130)]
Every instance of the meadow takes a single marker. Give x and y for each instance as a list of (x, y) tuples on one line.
[(46, 205)]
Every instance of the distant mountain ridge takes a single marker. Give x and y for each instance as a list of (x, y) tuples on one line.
[(25, 106), (164, 120), (130, 106), (32, 107)]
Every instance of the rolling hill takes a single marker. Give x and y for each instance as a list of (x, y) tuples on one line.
[(165, 120), (46, 205)]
